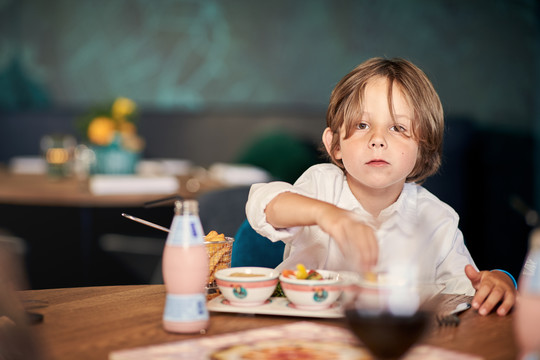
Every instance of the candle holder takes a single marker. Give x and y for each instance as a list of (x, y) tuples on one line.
[(58, 150)]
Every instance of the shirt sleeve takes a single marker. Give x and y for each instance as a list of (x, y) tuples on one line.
[(451, 270), (445, 243), (259, 197), (310, 184)]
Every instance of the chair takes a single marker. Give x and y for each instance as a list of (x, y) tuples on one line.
[(252, 249), (12, 263), (223, 210)]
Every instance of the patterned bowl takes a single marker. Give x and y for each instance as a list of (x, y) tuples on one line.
[(313, 294), (247, 286)]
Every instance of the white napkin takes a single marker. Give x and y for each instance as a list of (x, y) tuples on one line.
[(28, 165), (132, 184), (238, 174)]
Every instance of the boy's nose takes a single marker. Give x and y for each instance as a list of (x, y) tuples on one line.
[(377, 144), (377, 141), (377, 138)]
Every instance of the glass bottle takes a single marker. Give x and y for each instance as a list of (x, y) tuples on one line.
[(185, 272), (527, 311)]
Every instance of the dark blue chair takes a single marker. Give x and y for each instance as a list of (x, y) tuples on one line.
[(251, 249)]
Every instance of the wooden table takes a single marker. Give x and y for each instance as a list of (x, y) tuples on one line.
[(42, 190), (89, 323)]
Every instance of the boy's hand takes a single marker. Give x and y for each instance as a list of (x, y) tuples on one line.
[(355, 239), (491, 287)]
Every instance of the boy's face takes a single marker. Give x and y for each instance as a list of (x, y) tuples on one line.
[(381, 152)]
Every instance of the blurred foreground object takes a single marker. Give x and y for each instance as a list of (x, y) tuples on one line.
[(16, 342), (528, 302)]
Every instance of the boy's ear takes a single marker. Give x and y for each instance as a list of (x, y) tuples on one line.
[(327, 138)]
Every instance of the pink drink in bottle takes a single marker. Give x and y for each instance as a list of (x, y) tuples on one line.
[(185, 272)]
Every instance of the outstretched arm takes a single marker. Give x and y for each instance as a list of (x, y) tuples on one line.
[(355, 239)]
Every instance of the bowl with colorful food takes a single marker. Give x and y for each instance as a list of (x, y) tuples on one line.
[(248, 285), (310, 289)]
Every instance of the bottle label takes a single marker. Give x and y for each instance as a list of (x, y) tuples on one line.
[(186, 230), (185, 308)]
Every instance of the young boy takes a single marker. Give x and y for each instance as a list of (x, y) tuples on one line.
[(367, 211)]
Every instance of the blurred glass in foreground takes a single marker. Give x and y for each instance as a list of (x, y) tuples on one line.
[(528, 302), (390, 312)]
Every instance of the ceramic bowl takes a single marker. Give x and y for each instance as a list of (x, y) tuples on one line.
[(313, 294), (247, 286)]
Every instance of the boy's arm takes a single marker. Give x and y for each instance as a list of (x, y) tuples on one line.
[(355, 239), (290, 209)]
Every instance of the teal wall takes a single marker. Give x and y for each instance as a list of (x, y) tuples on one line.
[(481, 55), (210, 74)]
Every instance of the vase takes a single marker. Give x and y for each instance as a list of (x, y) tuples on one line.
[(114, 159)]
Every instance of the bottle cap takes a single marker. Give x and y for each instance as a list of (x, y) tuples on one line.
[(186, 207), (534, 241)]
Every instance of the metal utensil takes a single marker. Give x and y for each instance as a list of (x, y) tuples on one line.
[(145, 222), (162, 201), (452, 319)]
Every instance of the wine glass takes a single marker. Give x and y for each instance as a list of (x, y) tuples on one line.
[(389, 318)]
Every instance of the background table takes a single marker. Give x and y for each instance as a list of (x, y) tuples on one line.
[(42, 190), (89, 323), (61, 222)]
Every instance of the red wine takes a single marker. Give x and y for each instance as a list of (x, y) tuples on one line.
[(387, 336)]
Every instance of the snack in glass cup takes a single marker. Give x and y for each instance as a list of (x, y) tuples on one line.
[(219, 249)]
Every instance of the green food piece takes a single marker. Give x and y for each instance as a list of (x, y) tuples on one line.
[(278, 292), (313, 275)]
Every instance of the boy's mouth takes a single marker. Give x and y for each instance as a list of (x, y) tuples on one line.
[(377, 162)]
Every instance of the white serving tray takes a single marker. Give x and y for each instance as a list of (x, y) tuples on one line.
[(275, 306)]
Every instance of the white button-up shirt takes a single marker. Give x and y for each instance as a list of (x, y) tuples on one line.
[(417, 232)]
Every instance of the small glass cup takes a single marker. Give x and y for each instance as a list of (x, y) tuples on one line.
[(58, 150), (219, 257)]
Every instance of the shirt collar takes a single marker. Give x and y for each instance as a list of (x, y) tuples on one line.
[(405, 207)]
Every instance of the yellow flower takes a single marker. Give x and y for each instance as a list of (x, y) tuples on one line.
[(101, 130), (123, 107), (103, 125)]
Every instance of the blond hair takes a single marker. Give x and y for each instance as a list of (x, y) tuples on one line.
[(346, 103)]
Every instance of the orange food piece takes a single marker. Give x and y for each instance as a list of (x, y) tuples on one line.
[(288, 273)]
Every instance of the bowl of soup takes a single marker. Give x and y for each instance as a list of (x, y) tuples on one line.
[(247, 286)]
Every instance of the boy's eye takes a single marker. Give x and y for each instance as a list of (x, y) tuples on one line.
[(398, 128), (362, 126)]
